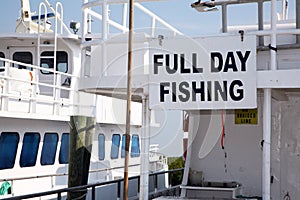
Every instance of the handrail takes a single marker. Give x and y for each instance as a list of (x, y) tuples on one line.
[(87, 8), (30, 95), (62, 174), (59, 18), (156, 18), (91, 186), (36, 67)]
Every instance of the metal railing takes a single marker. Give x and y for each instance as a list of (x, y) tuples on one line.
[(121, 26), (6, 92), (59, 193)]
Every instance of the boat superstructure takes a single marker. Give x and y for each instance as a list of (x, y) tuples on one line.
[(40, 71), (241, 91)]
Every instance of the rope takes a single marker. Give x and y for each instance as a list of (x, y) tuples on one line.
[(223, 131)]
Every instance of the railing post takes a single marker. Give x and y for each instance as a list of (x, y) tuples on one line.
[(119, 190), (4, 100), (52, 185), (57, 94), (139, 181), (169, 178), (58, 196), (93, 193), (155, 182)]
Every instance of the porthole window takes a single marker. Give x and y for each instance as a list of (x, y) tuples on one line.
[(123, 146), (8, 149), (49, 149), (135, 146), (101, 146), (29, 151), (115, 144)]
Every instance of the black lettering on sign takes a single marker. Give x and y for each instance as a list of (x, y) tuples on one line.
[(203, 91), (194, 63), (183, 89), (163, 91), (157, 63), (179, 64), (239, 93), (198, 90), (230, 63), (216, 57), (183, 70), (243, 59), (173, 91), (220, 90), (168, 67), (209, 90)]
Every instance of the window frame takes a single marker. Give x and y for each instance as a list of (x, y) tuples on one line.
[(123, 145), (49, 149), (27, 160), (138, 153), (64, 142), (23, 61), (101, 146), (9, 163), (114, 152), (60, 59)]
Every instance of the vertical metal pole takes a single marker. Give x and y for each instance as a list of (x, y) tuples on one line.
[(298, 18), (104, 36), (144, 182), (224, 18), (266, 169), (89, 24), (124, 18), (266, 175), (260, 22), (128, 111), (84, 21)]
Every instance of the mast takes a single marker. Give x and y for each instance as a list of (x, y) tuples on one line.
[(25, 9)]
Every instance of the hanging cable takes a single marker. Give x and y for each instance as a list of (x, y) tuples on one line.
[(223, 140), (223, 131)]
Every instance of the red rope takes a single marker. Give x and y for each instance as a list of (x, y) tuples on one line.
[(223, 131)]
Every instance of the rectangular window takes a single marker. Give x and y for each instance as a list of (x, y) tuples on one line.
[(24, 57), (30, 148), (123, 146), (64, 149), (135, 146), (49, 149), (61, 61), (114, 153), (2, 63), (101, 146), (8, 149)]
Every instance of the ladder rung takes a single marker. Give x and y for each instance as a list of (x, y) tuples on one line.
[(47, 57), (46, 45)]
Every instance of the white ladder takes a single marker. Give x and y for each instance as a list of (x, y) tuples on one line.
[(42, 29)]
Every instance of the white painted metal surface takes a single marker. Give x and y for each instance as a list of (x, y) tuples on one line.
[(27, 106)]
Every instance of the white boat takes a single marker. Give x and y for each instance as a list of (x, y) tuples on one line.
[(251, 150), (40, 71)]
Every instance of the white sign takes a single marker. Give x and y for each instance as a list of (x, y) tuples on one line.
[(206, 73)]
